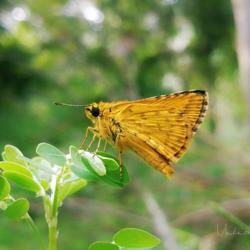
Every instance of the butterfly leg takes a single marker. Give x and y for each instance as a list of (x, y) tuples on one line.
[(90, 144), (98, 145), (86, 136), (120, 163), (118, 137)]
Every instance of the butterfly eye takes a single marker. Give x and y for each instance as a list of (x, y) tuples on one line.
[(95, 111)]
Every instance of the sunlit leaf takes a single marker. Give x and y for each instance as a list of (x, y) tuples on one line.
[(71, 187), (51, 153), (22, 180), (12, 153), (78, 167), (4, 156), (113, 175), (41, 164), (17, 209), (95, 162), (44, 184), (135, 238), (13, 166), (4, 188), (42, 169), (101, 245), (108, 160)]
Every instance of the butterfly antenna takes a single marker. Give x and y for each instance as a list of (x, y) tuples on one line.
[(69, 104)]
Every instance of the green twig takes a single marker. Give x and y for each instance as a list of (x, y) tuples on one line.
[(51, 212), (230, 217)]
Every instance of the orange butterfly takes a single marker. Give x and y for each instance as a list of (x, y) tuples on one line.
[(159, 129)]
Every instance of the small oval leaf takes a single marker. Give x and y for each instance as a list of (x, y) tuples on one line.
[(78, 167), (101, 245), (51, 153), (113, 175), (17, 209), (22, 181), (13, 166), (4, 188), (135, 238), (4, 156), (95, 162), (109, 161), (12, 153), (70, 188)]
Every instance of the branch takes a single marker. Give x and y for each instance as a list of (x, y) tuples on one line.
[(161, 223), (238, 207)]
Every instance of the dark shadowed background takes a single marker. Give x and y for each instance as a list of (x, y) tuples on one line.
[(80, 51)]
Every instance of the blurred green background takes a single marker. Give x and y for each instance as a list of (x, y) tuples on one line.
[(80, 51)]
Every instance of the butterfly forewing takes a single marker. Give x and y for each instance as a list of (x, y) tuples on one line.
[(160, 129)]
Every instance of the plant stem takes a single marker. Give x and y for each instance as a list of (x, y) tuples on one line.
[(230, 217), (53, 235), (51, 211)]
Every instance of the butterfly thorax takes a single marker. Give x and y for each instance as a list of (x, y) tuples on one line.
[(106, 126)]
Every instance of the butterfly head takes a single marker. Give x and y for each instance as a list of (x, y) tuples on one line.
[(92, 111)]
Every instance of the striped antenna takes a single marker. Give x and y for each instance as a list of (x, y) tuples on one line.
[(69, 104)]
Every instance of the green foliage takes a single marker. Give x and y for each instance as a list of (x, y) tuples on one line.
[(15, 167), (101, 166), (126, 239), (53, 176), (51, 154), (79, 167), (71, 187), (113, 176), (13, 154), (93, 163), (100, 245), (4, 188), (23, 181), (135, 238), (17, 209)]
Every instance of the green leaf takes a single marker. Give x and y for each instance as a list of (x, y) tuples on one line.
[(22, 181), (113, 175), (42, 169), (17, 209), (12, 153), (78, 167), (109, 160), (135, 238), (51, 153), (70, 188), (94, 162), (101, 245), (4, 156), (13, 166), (4, 188), (39, 163), (45, 184)]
